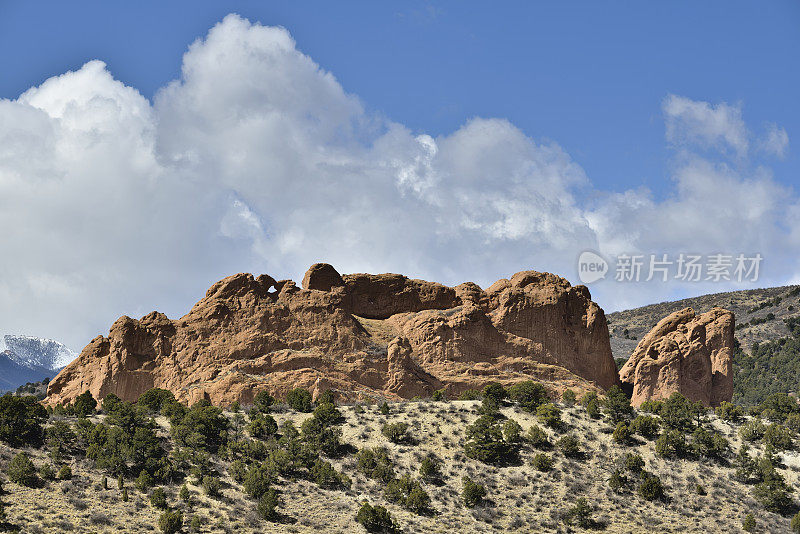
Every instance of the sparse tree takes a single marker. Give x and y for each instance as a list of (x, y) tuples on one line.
[(472, 492)]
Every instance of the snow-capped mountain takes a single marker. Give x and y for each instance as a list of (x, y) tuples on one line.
[(31, 359), (33, 352)]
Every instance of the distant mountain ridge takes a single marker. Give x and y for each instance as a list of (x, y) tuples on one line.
[(31, 359), (32, 351)]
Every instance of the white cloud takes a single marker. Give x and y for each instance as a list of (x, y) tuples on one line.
[(776, 141), (692, 122), (258, 160)]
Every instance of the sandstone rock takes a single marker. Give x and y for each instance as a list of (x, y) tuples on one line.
[(688, 353), (379, 296), (323, 277), (364, 336)]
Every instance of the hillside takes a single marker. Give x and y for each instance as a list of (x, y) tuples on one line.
[(702, 493), (763, 320), (759, 316)]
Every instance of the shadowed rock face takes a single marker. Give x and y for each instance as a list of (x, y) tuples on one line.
[(688, 353), (361, 335)]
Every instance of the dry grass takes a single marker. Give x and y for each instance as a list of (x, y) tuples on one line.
[(520, 499)]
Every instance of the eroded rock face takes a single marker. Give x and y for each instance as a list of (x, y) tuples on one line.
[(685, 352), (364, 336)]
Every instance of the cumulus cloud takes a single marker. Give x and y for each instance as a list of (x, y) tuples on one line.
[(256, 159), (692, 122)]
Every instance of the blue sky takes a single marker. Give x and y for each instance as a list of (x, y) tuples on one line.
[(589, 75), (148, 149)]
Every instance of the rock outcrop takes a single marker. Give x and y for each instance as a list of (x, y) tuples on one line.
[(361, 335), (685, 352)]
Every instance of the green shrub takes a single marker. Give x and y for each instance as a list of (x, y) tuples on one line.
[(646, 426), (633, 463), (408, 493), (679, 413), (321, 437), (795, 523), (21, 420), (650, 488), (730, 412), (542, 462), (325, 476), (580, 514), (84, 404), (155, 399), (749, 523), (202, 427), (430, 468), (46, 472), (490, 407), (588, 397), (238, 470), (671, 444), (651, 406), (299, 400), (469, 394), (622, 433), (144, 482), (211, 486), (537, 437), (773, 492), (617, 481), (528, 394), (258, 480), (59, 439), (268, 505), (512, 431), (384, 408), (617, 405), (494, 391), (375, 519), (158, 499), (709, 444), (124, 494), (570, 446), (593, 409), (549, 415), (170, 522), (778, 437), (439, 395), (396, 432), (485, 442), (752, 430), (263, 426), (375, 463), (65, 473), (472, 492), (778, 406), (327, 414), (263, 401), (184, 494), (22, 471), (568, 397)]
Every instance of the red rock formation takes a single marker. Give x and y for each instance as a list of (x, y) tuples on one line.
[(360, 335), (688, 353)]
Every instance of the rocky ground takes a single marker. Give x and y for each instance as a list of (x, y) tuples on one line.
[(702, 495)]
